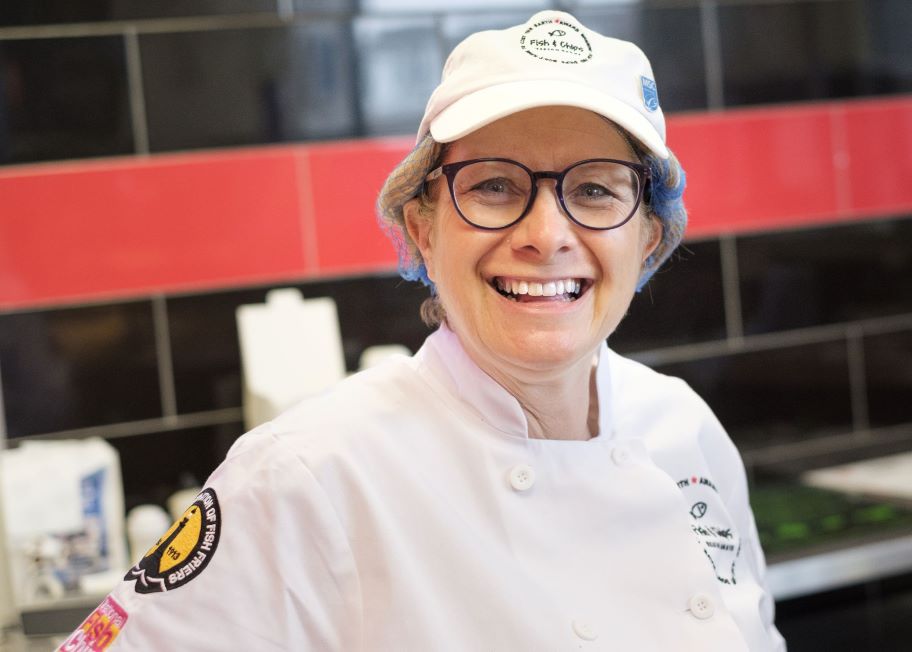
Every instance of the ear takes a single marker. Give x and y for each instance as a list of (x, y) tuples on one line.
[(419, 228), (652, 236)]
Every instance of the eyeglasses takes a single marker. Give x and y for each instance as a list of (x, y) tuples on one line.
[(494, 193)]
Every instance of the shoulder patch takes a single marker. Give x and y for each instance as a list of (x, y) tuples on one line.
[(184, 551), (98, 631)]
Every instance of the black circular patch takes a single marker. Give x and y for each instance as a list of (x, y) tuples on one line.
[(183, 551)]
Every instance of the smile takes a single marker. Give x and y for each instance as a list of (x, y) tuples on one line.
[(569, 289)]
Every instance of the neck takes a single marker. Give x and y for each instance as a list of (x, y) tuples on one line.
[(562, 406)]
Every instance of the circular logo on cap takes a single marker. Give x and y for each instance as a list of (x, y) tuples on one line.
[(555, 39)]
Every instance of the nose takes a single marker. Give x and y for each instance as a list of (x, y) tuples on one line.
[(545, 231)]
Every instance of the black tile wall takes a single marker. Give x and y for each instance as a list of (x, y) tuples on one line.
[(63, 98), (463, 6), (155, 465), (78, 367), (826, 275), (316, 6), (52, 12), (205, 350), (888, 368), (672, 39), (774, 396), (888, 64), (682, 304), (859, 618), (27, 12), (399, 64), (204, 340), (814, 49), (456, 27), (236, 87)]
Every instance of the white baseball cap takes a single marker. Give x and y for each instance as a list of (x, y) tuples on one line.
[(550, 60)]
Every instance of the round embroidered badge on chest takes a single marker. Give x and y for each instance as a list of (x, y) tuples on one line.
[(556, 40), (183, 551), (712, 526)]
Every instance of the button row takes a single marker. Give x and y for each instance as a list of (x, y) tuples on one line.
[(700, 605), (522, 476)]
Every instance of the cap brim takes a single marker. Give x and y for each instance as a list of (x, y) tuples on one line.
[(484, 106)]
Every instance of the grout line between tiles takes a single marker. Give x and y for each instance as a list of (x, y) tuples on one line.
[(146, 426), (2, 414), (765, 341), (165, 360), (749, 344), (841, 159), (731, 287), (136, 92), (146, 26), (712, 54), (827, 444), (857, 377), (307, 214)]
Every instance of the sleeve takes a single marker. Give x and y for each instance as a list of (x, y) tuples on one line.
[(260, 561), (729, 469)]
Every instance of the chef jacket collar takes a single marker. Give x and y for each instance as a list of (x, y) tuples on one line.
[(449, 363)]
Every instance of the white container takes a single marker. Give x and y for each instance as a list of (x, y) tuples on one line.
[(63, 506), (291, 348)]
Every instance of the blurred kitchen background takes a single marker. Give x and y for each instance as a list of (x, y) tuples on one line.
[(164, 162)]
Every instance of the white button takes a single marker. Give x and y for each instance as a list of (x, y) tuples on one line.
[(701, 606), (522, 477), (622, 456), (584, 630)]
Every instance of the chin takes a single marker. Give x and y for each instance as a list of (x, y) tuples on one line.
[(549, 349)]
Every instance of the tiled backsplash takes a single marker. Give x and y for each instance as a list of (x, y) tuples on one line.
[(118, 76), (63, 98), (826, 347)]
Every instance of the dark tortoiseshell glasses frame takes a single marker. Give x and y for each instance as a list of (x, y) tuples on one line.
[(450, 170)]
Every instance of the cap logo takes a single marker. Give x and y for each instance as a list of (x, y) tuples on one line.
[(557, 41), (650, 94)]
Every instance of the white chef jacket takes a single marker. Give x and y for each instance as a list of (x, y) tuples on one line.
[(407, 509)]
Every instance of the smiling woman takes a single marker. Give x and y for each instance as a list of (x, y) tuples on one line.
[(516, 336), (515, 485)]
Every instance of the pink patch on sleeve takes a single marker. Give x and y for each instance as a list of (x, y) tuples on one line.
[(99, 630)]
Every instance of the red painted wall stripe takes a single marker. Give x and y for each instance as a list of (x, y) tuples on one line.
[(93, 230)]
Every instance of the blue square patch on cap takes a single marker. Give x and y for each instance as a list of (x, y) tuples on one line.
[(650, 94)]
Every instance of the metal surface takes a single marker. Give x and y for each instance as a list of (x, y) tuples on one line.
[(832, 570)]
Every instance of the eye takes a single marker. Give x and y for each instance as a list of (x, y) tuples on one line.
[(494, 186), (594, 191)]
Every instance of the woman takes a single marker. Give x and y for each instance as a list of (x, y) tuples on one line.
[(515, 485)]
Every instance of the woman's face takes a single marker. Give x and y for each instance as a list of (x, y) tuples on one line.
[(468, 265)]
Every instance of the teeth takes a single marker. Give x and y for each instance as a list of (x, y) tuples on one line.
[(535, 289)]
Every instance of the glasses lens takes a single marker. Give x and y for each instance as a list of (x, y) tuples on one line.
[(601, 195), (491, 194)]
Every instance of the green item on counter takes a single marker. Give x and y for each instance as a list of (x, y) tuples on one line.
[(792, 517)]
